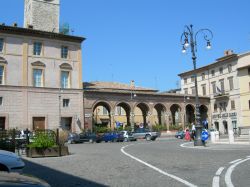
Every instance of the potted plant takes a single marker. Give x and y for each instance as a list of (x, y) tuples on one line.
[(44, 145)]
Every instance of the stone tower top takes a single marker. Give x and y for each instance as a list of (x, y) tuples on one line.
[(42, 15)]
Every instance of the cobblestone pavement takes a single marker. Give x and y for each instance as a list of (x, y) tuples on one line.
[(104, 164)]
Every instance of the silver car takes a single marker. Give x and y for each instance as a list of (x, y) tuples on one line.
[(17, 180), (145, 134)]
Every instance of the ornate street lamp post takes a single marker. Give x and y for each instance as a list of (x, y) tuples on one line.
[(185, 111), (132, 96), (189, 38), (60, 100)]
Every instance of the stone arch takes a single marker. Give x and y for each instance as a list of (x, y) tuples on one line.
[(101, 114), (141, 112), (190, 113), (159, 112), (122, 113), (175, 110)]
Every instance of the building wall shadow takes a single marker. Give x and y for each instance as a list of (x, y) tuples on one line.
[(57, 178)]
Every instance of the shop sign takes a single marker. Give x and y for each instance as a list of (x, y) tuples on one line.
[(233, 115), (216, 116), (88, 115), (224, 115)]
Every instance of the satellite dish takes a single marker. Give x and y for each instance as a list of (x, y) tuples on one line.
[(64, 29)]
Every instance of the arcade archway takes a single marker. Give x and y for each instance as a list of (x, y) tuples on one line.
[(175, 114), (122, 115), (141, 111), (190, 116), (159, 111), (102, 115)]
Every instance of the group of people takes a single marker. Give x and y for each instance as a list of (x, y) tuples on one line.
[(190, 135)]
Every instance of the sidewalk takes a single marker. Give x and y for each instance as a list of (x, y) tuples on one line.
[(223, 139), (242, 139)]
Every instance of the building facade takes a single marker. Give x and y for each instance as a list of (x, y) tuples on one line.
[(244, 85), (219, 81), (40, 76)]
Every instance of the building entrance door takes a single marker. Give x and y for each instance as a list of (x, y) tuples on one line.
[(217, 126), (2, 123), (225, 127), (66, 123), (38, 123)]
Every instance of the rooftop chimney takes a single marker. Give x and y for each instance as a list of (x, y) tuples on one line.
[(30, 26), (228, 52)]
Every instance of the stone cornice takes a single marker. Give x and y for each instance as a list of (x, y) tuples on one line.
[(41, 34)]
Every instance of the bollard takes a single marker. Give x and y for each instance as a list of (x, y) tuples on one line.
[(217, 137), (231, 136), (212, 136)]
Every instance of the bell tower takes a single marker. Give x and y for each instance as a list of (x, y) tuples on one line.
[(42, 15)]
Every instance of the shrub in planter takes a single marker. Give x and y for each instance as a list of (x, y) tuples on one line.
[(159, 127), (44, 144), (43, 140), (175, 127), (97, 129), (128, 128)]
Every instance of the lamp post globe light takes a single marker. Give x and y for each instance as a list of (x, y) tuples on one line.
[(189, 38)]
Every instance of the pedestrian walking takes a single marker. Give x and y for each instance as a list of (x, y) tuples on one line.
[(187, 135), (193, 131)]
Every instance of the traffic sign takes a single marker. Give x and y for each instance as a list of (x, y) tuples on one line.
[(204, 135)]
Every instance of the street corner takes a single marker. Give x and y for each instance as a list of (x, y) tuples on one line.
[(191, 145)]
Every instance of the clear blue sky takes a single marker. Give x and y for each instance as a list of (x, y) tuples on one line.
[(140, 39)]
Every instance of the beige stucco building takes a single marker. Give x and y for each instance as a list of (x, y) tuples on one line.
[(244, 85), (221, 82), (40, 75)]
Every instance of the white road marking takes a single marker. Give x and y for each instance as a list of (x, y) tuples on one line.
[(197, 147), (235, 161), (216, 179), (155, 168), (229, 172), (219, 171)]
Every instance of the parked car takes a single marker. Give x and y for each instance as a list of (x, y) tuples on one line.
[(146, 134), (10, 162), (90, 137), (73, 138), (17, 180), (113, 137), (128, 136), (180, 134)]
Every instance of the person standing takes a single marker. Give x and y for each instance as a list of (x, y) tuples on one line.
[(187, 135), (193, 131)]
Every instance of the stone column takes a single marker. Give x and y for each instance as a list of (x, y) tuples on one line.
[(112, 120), (150, 118), (167, 119), (132, 120), (183, 120), (88, 119)]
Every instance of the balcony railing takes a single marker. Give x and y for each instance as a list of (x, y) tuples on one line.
[(222, 93)]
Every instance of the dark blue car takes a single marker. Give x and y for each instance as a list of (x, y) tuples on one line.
[(113, 137)]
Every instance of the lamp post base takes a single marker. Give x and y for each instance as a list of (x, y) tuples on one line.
[(198, 141)]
